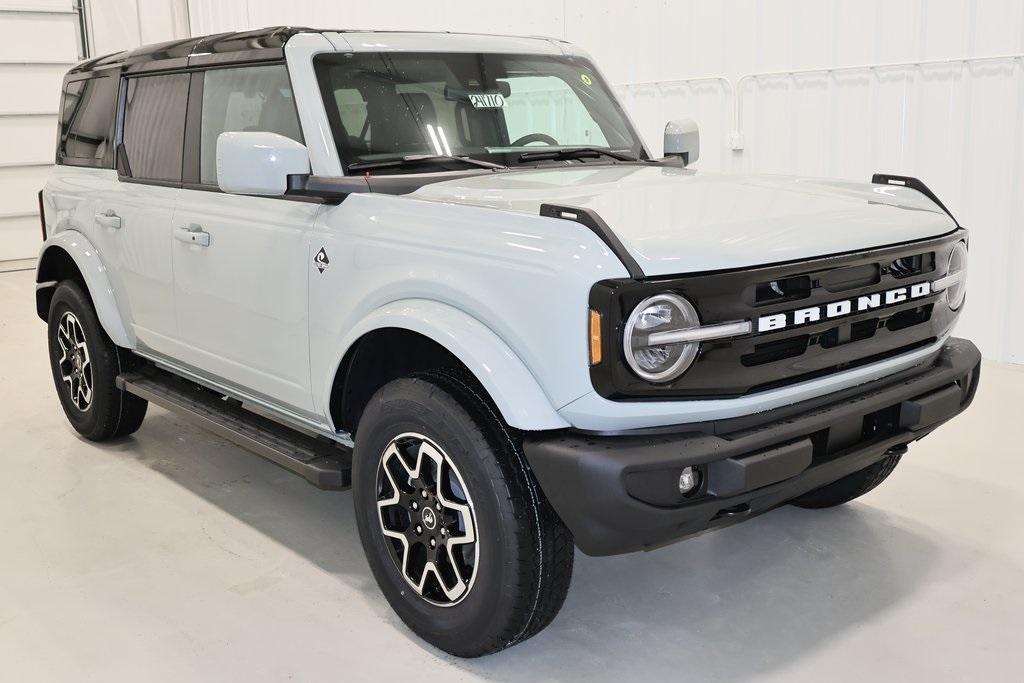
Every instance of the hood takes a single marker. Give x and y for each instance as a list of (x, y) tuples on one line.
[(675, 220)]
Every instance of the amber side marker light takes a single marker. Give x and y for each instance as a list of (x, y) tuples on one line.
[(595, 337)]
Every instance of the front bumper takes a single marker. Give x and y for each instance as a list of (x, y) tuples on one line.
[(620, 493)]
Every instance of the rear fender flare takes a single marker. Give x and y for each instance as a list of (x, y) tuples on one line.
[(90, 265)]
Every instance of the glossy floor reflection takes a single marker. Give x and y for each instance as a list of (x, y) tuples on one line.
[(175, 555)]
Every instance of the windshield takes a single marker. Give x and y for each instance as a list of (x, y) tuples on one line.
[(491, 107)]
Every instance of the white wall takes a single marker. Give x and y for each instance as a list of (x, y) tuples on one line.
[(125, 24), (960, 126)]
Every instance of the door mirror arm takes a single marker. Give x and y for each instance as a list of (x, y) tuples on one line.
[(332, 190)]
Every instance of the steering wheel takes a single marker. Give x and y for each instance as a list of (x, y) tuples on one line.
[(535, 137)]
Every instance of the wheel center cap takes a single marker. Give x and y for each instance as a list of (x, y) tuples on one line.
[(429, 518)]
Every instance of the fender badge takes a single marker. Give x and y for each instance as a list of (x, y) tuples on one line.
[(320, 261)]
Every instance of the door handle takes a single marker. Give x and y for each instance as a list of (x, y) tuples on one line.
[(193, 234), (108, 219)]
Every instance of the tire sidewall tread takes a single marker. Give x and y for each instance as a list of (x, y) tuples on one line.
[(513, 595), (112, 412)]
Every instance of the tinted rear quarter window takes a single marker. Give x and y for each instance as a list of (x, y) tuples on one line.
[(154, 126), (87, 122)]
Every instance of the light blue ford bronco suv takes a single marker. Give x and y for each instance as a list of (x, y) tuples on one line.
[(444, 271)]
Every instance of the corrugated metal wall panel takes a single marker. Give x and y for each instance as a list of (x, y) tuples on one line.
[(38, 35), (40, 42)]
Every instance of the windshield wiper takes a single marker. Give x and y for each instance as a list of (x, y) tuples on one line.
[(417, 159), (575, 153)]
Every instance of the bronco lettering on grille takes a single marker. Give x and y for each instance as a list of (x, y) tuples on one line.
[(839, 309)]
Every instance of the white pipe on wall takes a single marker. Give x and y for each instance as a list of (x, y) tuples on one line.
[(736, 135)]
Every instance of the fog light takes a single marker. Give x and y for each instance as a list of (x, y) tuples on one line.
[(689, 480)]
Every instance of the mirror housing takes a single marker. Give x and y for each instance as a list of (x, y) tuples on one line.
[(682, 139), (258, 163)]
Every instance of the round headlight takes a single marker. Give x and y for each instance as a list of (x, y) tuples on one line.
[(957, 290), (660, 313)]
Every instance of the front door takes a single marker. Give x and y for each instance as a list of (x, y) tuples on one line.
[(240, 262)]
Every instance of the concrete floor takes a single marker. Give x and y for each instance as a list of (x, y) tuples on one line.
[(174, 555)]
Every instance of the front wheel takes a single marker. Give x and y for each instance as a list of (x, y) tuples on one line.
[(459, 537)]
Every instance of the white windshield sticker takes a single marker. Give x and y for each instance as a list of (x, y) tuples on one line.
[(487, 100)]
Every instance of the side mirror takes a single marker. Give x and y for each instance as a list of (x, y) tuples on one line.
[(258, 163), (682, 139)]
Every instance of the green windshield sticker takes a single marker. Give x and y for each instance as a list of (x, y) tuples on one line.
[(587, 80), (487, 100)]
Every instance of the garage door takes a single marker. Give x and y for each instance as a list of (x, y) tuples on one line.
[(40, 41)]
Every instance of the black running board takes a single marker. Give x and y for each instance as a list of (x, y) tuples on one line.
[(321, 461)]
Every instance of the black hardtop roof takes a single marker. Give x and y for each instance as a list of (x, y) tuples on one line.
[(262, 44), (238, 46)]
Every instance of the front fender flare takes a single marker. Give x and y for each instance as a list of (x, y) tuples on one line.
[(506, 378), (89, 264)]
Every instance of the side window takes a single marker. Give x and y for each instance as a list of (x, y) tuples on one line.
[(256, 98), (87, 122), (547, 105), (154, 126)]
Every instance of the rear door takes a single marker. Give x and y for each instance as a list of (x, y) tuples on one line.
[(85, 164), (241, 300), (133, 215)]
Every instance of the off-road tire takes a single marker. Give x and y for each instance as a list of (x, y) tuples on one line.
[(109, 412), (849, 487), (525, 558)]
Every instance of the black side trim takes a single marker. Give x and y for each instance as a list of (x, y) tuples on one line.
[(124, 169), (406, 183), (336, 188), (331, 190), (592, 220), (913, 184), (190, 164), (42, 214)]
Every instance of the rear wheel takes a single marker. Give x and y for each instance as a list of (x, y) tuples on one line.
[(85, 363), (849, 487), (459, 537)]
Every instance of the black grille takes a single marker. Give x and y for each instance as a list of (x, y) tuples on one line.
[(756, 362)]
